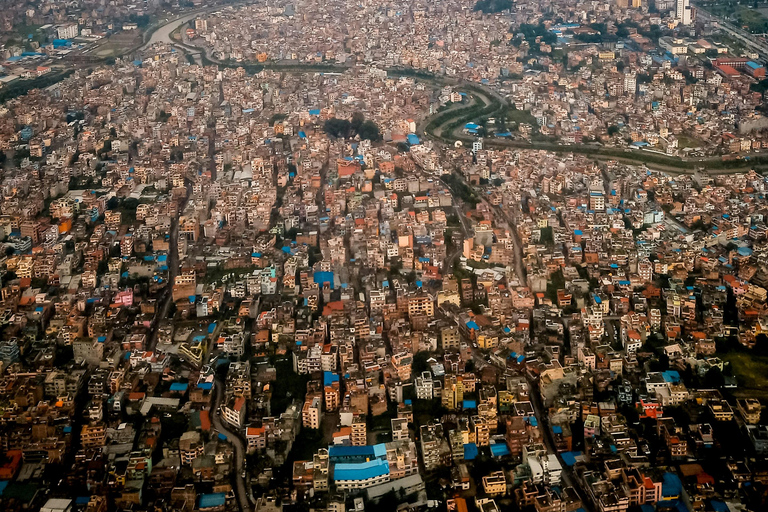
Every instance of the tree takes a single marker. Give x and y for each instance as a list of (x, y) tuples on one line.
[(339, 128), (357, 121), (761, 345), (660, 364), (493, 6), (369, 131), (613, 130), (714, 378), (386, 503)]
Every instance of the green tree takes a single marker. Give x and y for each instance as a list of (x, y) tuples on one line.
[(339, 128), (714, 378), (357, 121), (369, 131), (493, 6)]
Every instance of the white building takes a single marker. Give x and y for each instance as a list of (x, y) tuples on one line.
[(683, 11), (69, 31), (424, 386)]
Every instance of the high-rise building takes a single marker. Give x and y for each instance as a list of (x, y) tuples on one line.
[(683, 11)]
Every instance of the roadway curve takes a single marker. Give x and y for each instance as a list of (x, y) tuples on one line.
[(244, 497)]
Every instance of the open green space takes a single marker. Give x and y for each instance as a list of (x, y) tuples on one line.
[(751, 371), (744, 16)]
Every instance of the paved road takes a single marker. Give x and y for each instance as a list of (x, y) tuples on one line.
[(243, 495)]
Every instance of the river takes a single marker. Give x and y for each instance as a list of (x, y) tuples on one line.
[(163, 33)]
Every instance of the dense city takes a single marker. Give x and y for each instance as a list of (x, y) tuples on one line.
[(467, 256)]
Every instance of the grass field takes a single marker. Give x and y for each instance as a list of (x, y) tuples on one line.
[(751, 371), (751, 19), (685, 141)]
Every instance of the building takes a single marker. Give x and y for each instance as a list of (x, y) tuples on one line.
[(234, 412), (424, 386), (683, 12), (359, 467), (495, 484), (750, 409), (311, 413), (453, 392), (359, 434)]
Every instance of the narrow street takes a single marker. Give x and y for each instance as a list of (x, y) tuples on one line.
[(243, 494), (166, 298)]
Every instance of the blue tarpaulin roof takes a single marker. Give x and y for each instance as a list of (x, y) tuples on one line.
[(469, 404), (413, 139), (178, 386), (671, 485), (470, 451)]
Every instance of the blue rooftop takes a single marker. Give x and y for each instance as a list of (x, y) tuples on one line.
[(671, 486), (329, 378), (499, 449), (470, 451), (671, 376), (361, 470), (570, 458), (323, 277), (369, 450), (217, 499)]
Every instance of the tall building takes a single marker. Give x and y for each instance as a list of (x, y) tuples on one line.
[(683, 11), (453, 392)]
